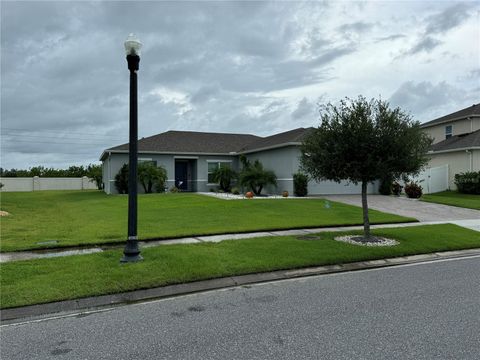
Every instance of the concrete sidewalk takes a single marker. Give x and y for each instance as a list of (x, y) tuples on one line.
[(473, 224)]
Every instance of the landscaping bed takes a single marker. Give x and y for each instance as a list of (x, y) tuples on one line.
[(52, 219), (47, 280)]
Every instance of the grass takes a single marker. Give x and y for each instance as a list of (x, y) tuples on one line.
[(91, 217), (454, 198), (47, 280)]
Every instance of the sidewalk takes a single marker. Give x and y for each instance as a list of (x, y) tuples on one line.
[(473, 224)]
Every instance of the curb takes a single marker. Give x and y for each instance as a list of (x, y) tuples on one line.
[(220, 283)]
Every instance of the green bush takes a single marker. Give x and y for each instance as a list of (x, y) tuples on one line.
[(255, 177), (300, 184), (386, 185), (235, 191), (468, 183), (396, 188), (151, 176), (121, 180), (413, 190), (224, 175)]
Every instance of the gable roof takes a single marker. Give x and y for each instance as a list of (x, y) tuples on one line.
[(458, 142), (470, 111), (292, 137)]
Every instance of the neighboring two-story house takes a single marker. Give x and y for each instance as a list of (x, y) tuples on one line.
[(456, 141)]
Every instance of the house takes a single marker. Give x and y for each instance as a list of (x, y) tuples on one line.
[(456, 142), (191, 157)]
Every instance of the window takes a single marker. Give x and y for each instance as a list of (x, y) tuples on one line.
[(214, 165), (448, 131)]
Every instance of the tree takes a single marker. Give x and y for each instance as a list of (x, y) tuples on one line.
[(95, 172), (121, 180), (361, 141), (224, 176), (150, 175), (255, 177)]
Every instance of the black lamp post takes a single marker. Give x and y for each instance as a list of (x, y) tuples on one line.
[(131, 253)]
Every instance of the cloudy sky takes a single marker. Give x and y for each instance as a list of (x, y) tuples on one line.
[(246, 67)]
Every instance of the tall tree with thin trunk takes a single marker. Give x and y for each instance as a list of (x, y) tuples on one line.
[(361, 141)]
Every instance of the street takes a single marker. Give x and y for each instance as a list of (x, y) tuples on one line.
[(420, 311)]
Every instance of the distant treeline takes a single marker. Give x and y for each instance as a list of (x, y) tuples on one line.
[(92, 171)]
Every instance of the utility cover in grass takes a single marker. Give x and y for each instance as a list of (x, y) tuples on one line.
[(371, 241)]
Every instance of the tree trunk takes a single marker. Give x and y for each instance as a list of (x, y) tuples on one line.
[(366, 222)]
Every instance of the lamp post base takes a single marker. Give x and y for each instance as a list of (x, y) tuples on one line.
[(131, 253)]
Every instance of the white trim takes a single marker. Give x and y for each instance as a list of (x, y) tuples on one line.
[(219, 161), (186, 157), (145, 159), (285, 179), (453, 150), (271, 147)]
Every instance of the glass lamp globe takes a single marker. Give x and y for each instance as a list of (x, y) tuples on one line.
[(132, 45)]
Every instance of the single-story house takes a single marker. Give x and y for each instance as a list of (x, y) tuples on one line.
[(456, 142), (191, 157)]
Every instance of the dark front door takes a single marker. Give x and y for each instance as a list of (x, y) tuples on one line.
[(181, 175)]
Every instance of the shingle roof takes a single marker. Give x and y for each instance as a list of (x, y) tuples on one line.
[(292, 136), (192, 142), (473, 110), (461, 141)]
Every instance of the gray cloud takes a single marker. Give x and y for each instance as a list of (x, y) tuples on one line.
[(210, 66), (450, 18), (428, 101), (426, 44)]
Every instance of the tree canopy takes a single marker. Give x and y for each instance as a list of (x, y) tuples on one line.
[(255, 177), (362, 141)]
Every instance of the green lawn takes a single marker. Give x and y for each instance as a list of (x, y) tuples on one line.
[(47, 280), (92, 217), (454, 198)]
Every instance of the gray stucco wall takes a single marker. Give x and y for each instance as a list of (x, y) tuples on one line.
[(113, 163), (285, 162)]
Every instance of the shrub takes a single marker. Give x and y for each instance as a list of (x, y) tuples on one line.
[(386, 184), (224, 175), (150, 175), (174, 189), (300, 184), (94, 172), (396, 188), (121, 180), (468, 183), (413, 190), (255, 177), (235, 191)]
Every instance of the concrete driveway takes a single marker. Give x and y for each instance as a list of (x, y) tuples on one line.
[(423, 211)]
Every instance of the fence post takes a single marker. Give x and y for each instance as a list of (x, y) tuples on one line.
[(36, 183)]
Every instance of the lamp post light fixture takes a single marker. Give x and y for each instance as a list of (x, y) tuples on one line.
[(131, 253)]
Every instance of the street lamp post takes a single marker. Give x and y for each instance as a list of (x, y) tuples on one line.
[(131, 253)]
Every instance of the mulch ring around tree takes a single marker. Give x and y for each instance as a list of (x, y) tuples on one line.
[(371, 241)]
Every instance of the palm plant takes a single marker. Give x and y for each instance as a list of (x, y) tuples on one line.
[(255, 177), (224, 175)]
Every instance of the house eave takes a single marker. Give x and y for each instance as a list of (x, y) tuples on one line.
[(169, 153), (431, 152), (427, 125), (296, 143)]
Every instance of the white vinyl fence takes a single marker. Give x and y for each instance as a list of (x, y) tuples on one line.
[(38, 184), (434, 179)]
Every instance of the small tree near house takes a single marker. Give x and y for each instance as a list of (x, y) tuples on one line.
[(255, 177), (362, 141)]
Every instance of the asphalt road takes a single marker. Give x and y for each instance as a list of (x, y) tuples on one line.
[(422, 311)]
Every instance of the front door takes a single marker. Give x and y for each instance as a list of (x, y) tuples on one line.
[(181, 175)]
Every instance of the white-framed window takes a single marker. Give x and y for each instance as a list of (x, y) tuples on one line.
[(214, 165), (448, 131)]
